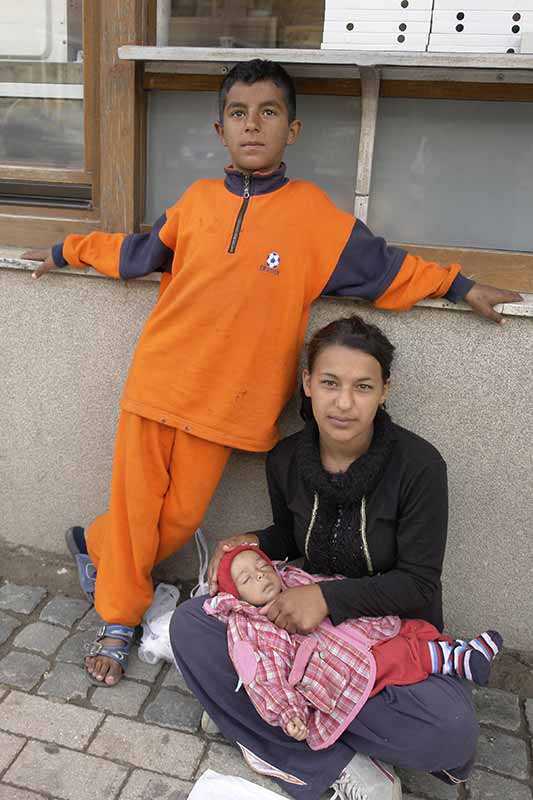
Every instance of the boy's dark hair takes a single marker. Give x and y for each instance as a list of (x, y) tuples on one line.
[(352, 332), (258, 69)]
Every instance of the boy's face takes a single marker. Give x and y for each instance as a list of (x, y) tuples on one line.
[(256, 127), (257, 583)]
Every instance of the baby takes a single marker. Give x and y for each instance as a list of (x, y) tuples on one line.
[(313, 686)]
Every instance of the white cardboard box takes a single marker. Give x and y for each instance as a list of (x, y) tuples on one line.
[(470, 43), (333, 31), (344, 16), (526, 45), (334, 6), (414, 43), (483, 5), (491, 22)]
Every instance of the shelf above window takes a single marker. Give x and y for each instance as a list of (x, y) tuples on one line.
[(348, 60)]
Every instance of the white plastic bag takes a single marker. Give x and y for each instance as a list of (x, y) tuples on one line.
[(155, 644), (214, 786)]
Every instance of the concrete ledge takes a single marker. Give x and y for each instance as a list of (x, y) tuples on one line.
[(10, 259)]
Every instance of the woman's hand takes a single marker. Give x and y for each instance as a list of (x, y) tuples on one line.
[(40, 255), (223, 547), (297, 610), (297, 729)]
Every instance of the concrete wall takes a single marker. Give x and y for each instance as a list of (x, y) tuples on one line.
[(460, 382)]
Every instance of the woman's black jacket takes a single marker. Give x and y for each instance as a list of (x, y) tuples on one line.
[(406, 526)]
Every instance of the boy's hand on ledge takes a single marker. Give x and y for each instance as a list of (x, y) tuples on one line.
[(40, 255), (481, 298)]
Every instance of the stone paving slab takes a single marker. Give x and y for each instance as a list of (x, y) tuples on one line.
[(426, 785), (529, 715), (91, 621), (66, 774), (485, 786), (39, 718), (63, 610), (141, 671), (148, 747), (7, 625), (41, 637), (66, 682), (175, 680), (174, 710), (502, 753), (12, 793), (72, 648), (22, 670), (496, 707), (21, 599), (10, 746), (125, 698), (144, 785)]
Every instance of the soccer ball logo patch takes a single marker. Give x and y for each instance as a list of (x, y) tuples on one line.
[(273, 260)]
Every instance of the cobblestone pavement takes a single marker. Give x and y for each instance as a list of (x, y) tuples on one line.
[(65, 739)]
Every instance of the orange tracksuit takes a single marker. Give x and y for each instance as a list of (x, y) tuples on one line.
[(243, 259)]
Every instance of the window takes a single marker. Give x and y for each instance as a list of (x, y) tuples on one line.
[(46, 152), (240, 23)]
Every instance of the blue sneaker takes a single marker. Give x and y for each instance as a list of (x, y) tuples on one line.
[(75, 539)]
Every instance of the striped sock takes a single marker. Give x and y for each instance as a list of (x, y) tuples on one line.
[(471, 660)]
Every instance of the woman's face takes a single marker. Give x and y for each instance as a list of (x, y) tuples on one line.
[(346, 389)]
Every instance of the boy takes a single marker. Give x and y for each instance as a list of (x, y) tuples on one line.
[(313, 686), (242, 260)]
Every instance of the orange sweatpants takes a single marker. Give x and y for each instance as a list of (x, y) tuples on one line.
[(162, 482)]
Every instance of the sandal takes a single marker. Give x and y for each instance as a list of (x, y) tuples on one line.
[(75, 539), (116, 652)]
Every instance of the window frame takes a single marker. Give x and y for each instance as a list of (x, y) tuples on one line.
[(114, 120)]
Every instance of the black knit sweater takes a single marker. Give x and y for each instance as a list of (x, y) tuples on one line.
[(397, 568)]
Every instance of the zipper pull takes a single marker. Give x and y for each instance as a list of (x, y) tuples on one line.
[(246, 192)]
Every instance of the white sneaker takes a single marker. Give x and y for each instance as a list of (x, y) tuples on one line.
[(367, 779)]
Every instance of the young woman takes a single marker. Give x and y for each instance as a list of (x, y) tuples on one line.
[(359, 496)]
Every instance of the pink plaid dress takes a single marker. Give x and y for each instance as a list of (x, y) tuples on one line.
[(323, 678)]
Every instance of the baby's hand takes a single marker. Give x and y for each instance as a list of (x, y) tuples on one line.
[(297, 729)]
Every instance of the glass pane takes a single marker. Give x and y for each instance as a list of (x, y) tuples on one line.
[(41, 83), (183, 147), (454, 173), (241, 23)]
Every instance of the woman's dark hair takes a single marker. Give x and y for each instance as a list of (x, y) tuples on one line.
[(352, 332), (258, 69)]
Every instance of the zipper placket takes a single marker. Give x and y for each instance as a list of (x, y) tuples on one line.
[(240, 216)]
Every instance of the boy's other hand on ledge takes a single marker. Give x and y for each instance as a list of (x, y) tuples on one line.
[(40, 255), (481, 299)]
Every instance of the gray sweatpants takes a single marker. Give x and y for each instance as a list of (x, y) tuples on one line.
[(428, 726)]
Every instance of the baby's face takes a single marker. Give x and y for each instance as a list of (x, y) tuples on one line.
[(257, 583)]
